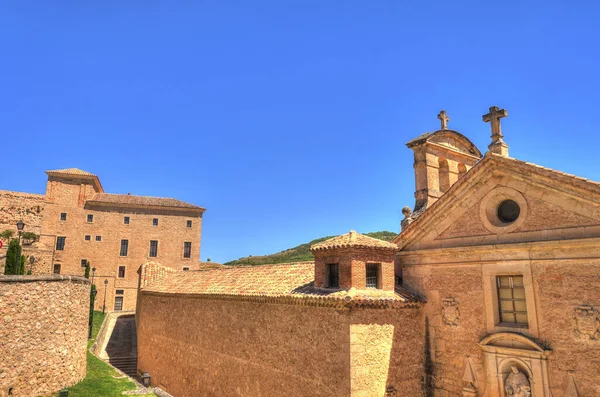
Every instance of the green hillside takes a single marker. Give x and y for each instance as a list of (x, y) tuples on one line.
[(297, 254)]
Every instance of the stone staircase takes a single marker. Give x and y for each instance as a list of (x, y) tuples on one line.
[(121, 348)]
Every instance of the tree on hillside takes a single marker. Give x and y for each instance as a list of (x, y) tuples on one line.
[(7, 235), (14, 264)]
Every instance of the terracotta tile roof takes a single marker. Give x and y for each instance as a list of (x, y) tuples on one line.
[(144, 201), (287, 282), (352, 239), (70, 171)]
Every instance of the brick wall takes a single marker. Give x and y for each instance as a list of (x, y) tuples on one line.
[(213, 347), (43, 333)]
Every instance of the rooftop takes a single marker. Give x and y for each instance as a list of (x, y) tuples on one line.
[(354, 240), (70, 171), (289, 281), (143, 201)]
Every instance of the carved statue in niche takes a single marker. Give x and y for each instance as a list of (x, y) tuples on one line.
[(450, 313), (586, 323), (517, 384)]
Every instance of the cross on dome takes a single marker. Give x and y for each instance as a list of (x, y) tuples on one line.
[(443, 117)]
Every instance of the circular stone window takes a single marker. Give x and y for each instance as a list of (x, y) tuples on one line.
[(503, 210), (508, 211)]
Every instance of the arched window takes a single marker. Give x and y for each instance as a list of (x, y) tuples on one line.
[(444, 173)]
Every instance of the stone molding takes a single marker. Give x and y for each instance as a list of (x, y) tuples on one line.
[(44, 277)]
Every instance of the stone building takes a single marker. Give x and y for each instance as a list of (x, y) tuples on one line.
[(78, 222), (495, 291)]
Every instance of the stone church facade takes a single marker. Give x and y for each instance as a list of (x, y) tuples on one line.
[(77, 221), (492, 288)]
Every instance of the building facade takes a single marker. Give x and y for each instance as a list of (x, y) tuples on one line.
[(495, 291), (77, 222)]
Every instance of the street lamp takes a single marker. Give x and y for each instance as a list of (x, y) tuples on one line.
[(104, 304), (93, 273), (31, 261), (20, 227), (93, 299)]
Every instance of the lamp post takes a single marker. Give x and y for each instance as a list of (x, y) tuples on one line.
[(20, 227), (93, 273), (93, 293), (104, 304), (31, 261)]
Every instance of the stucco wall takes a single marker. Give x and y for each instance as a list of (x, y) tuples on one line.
[(43, 333), (194, 346)]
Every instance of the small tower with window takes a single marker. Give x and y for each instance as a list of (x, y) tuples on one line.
[(353, 260)]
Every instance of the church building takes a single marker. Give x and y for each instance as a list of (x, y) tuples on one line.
[(492, 288)]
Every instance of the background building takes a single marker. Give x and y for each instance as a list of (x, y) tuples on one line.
[(78, 222)]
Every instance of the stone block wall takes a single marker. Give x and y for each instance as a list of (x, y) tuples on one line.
[(43, 333)]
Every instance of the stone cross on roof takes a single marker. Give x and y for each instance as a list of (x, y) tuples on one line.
[(443, 117), (494, 117), (497, 146)]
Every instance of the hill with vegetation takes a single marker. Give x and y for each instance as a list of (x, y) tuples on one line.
[(300, 253)]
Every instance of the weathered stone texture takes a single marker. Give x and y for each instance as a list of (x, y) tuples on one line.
[(16, 206), (219, 347), (43, 333)]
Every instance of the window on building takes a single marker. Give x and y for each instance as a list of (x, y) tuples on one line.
[(186, 268), (56, 268), (372, 275), (121, 271), (511, 300), (60, 243), (83, 262), (126, 220), (332, 275), (98, 238), (88, 237), (155, 222), (187, 249), (118, 303), (189, 223), (153, 248), (124, 247), (63, 216), (119, 292), (90, 218)]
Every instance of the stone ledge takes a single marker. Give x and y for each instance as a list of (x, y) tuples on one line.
[(44, 277)]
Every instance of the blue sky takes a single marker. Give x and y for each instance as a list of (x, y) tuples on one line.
[(287, 120)]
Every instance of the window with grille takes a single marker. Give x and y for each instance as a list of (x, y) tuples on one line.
[(98, 238), (332, 275), (155, 222), (56, 268), (187, 249), (83, 262), (124, 247), (153, 248), (372, 275), (88, 237), (119, 292), (126, 220), (121, 271), (511, 300), (63, 216), (189, 224), (90, 218), (186, 268), (60, 243)]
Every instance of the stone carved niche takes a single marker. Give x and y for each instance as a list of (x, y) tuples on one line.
[(450, 312), (515, 366), (586, 323)]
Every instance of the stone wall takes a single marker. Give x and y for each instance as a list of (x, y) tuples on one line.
[(193, 345), (43, 333), (16, 206), (561, 281)]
